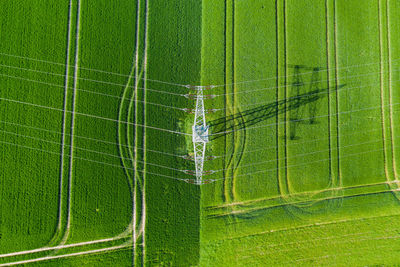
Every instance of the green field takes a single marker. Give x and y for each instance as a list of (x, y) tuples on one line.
[(306, 134)]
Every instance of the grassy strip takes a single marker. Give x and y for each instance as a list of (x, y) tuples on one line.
[(393, 22), (139, 133), (385, 91), (281, 94), (172, 207), (333, 127)]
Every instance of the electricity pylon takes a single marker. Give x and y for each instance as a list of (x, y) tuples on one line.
[(199, 135), (200, 132)]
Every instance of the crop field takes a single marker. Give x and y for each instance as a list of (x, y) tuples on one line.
[(304, 136)]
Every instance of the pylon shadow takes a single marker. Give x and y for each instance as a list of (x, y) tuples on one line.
[(222, 126)]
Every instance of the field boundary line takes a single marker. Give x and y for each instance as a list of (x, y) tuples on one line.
[(64, 126), (64, 255), (286, 94), (281, 81), (333, 176), (229, 141), (385, 156), (137, 45), (134, 197), (328, 91), (17, 253), (234, 106), (143, 227), (74, 96), (389, 62), (279, 189), (340, 182), (225, 110)]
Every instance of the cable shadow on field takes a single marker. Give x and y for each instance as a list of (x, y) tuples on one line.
[(222, 126)]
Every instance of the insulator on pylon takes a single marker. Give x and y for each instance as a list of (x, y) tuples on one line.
[(188, 110), (189, 157), (197, 182), (194, 87), (190, 96), (194, 96), (190, 172)]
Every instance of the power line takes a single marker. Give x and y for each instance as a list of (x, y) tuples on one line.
[(88, 138), (323, 92), (288, 85), (88, 91), (116, 143), (86, 79), (306, 73), (88, 150), (148, 89), (92, 116), (252, 151), (308, 163), (172, 107), (306, 154), (314, 117), (89, 160), (88, 69), (310, 141), (185, 85)]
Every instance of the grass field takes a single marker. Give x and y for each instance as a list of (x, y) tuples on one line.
[(306, 135)]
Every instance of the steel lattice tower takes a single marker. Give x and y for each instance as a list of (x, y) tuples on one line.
[(199, 135)]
